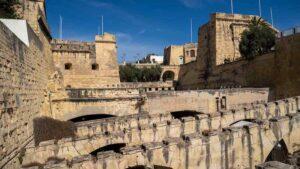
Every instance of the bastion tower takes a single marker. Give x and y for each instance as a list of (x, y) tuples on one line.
[(106, 55), (87, 64)]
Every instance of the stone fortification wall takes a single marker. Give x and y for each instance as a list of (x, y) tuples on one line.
[(87, 64), (235, 147), (208, 101), (81, 102), (122, 102), (278, 70), (275, 120), (24, 74)]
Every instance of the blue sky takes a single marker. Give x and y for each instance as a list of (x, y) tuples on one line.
[(147, 26)]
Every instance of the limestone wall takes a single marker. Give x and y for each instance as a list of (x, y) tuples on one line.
[(81, 102), (24, 74), (122, 102), (202, 100)]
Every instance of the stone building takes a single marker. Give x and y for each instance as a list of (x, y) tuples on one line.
[(152, 59), (87, 64), (180, 54)]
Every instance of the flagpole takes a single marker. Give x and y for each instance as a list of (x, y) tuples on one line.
[(231, 6), (259, 7), (102, 24), (60, 27), (191, 30), (272, 21)]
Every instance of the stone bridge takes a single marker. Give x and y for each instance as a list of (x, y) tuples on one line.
[(238, 138), (84, 102)]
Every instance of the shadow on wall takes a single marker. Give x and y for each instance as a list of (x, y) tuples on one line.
[(45, 128)]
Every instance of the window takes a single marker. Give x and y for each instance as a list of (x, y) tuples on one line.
[(95, 66), (193, 53), (181, 60), (187, 53), (68, 66), (223, 102), (217, 104)]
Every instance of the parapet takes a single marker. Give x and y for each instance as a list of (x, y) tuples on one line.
[(233, 16), (105, 38), (72, 46)]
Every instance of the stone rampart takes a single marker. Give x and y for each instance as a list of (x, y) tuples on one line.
[(242, 146), (122, 102), (208, 101), (135, 130)]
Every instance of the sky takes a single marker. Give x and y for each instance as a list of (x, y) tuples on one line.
[(147, 26)]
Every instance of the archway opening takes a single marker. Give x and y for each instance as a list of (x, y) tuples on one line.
[(144, 167), (91, 117), (112, 147), (161, 167), (279, 152), (168, 75), (185, 113)]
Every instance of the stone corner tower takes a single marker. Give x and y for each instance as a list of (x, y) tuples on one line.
[(106, 56)]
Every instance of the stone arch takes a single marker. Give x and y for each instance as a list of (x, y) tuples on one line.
[(111, 147), (168, 75), (184, 113), (279, 152), (90, 117)]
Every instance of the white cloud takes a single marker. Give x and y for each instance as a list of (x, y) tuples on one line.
[(191, 3), (142, 31), (198, 3), (116, 11)]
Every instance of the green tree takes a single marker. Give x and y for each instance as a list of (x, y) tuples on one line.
[(130, 73), (7, 9), (258, 39)]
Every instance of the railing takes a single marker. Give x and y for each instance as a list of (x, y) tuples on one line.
[(289, 32)]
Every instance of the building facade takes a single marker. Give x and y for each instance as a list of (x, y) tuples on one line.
[(180, 54)]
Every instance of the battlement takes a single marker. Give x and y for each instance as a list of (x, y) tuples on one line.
[(227, 16), (106, 38), (72, 46)]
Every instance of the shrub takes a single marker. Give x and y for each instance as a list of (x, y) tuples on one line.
[(257, 40), (130, 73), (7, 9), (45, 128)]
